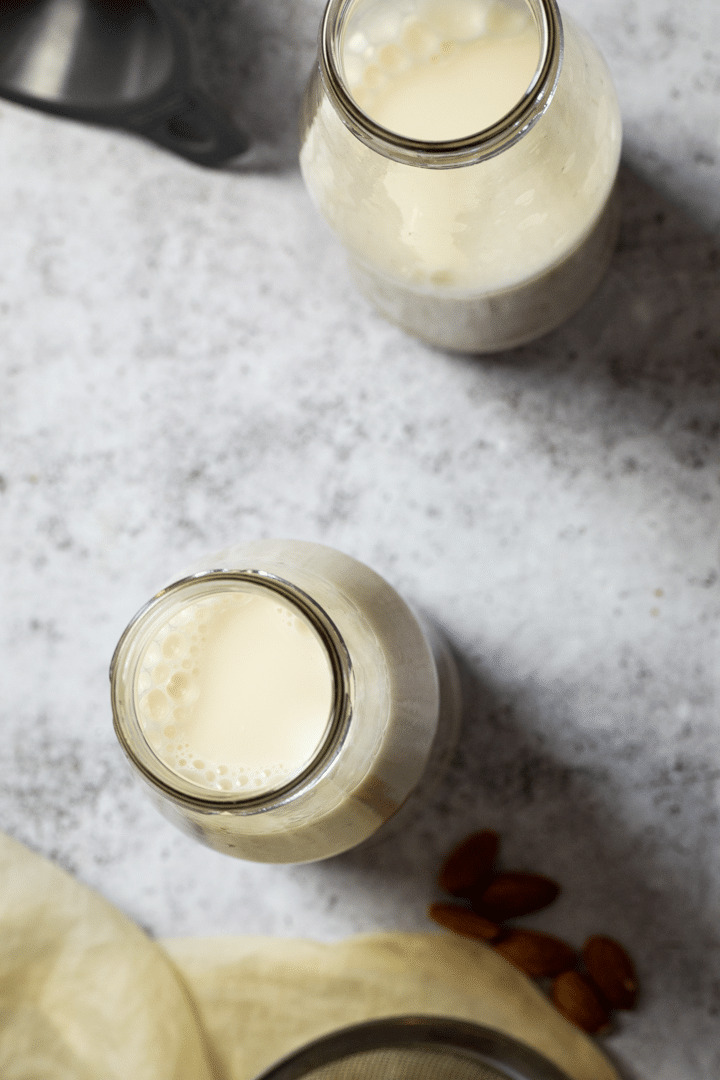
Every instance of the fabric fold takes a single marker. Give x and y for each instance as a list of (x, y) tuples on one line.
[(86, 995)]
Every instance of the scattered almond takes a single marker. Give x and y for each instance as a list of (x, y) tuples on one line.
[(612, 971), (464, 921), (468, 868), (535, 953), (585, 997), (577, 1000), (513, 894)]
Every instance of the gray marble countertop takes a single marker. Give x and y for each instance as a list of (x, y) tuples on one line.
[(184, 363)]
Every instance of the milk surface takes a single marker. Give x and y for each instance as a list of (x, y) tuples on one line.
[(442, 69), (234, 691)]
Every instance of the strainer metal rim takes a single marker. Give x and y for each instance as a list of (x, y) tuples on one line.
[(488, 1046)]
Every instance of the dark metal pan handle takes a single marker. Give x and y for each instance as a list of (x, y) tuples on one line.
[(121, 63)]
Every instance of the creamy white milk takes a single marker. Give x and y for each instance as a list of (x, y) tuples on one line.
[(235, 690), (443, 69), (501, 248)]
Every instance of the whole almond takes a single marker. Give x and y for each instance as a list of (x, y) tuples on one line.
[(612, 971), (468, 868), (535, 953), (464, 921), (579, 1002), (513, 894)]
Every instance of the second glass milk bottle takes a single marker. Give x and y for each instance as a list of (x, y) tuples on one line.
[(282, 701), (465, 153)]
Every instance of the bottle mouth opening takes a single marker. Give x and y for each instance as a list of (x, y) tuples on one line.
[(131, 729), (337, 28)]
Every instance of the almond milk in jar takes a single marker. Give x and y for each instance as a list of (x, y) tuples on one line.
[(282, 701), (465, 153)]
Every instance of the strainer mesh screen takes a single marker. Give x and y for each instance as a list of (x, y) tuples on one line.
[(406, 1063)]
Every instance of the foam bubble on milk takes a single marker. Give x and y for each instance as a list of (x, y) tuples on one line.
[(440, 69), (234, 692)]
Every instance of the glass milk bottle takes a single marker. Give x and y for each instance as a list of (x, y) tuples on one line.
[(465, 153), (282, 701)]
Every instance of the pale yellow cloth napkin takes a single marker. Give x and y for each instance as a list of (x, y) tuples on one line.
[(85, 995)]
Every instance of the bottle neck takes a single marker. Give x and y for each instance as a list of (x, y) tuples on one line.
[(452, 153), (149, 624)]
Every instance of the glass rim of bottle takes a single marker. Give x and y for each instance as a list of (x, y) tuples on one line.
[(123, 675), (453, 153)]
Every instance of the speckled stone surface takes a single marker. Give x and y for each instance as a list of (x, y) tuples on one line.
[(184, 362)]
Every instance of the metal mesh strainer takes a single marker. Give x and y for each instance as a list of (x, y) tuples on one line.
[(405, 1064), (415, 1048)]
